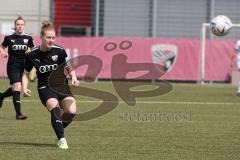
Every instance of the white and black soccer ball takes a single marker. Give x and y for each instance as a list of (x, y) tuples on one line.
[(220, 25)]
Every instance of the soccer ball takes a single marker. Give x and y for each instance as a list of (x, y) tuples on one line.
[(220, 25)]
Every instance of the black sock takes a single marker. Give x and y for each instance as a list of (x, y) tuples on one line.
[(7, 93), (16, 102), (67, 119), (57, 122)]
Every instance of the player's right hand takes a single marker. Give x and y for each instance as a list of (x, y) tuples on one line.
[(26, 93)]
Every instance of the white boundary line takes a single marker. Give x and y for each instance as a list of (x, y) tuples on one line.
[(145, 102)]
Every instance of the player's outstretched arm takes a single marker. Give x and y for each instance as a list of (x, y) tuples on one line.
[(233, 58), (26, 91), (70, 74), (3, 52), (75, 81)]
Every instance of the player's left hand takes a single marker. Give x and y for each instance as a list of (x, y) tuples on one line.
[(75, 82), (27, 93)]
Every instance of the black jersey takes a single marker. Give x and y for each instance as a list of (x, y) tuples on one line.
[(17, 46), (45, 62)]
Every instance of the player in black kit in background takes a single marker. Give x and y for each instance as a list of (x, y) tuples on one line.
[(18, 44), (46, 58)]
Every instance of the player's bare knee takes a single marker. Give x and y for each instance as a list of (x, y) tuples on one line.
[(71, 110), (51, 103), (17, 87), (69, 105)]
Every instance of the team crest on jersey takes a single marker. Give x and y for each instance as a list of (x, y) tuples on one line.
[(55, 58), (165, 55), (25, 41)]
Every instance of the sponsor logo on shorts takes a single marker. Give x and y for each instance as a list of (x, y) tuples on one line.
[(58, 121), (38, 60), (42, 87)]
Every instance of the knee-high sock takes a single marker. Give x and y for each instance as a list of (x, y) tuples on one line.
[(57, 122), (67, 119), (7, 93), (16, 102)]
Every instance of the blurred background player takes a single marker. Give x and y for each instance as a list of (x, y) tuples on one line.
[(46, 58), (18, 44), (236, 60)]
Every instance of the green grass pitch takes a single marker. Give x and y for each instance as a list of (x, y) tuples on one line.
[(192, 122)]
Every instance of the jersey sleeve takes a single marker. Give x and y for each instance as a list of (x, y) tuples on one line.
[(63, 56), (5, 42), (28, 63), (31, 44)]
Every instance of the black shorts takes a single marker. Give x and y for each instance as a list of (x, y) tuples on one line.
[(15, 72), (46, 93)]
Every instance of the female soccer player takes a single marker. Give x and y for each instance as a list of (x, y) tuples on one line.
[(46, 58), (235, 59), (18, 44)]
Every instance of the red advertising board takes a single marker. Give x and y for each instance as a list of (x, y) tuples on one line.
[(136, 51)]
